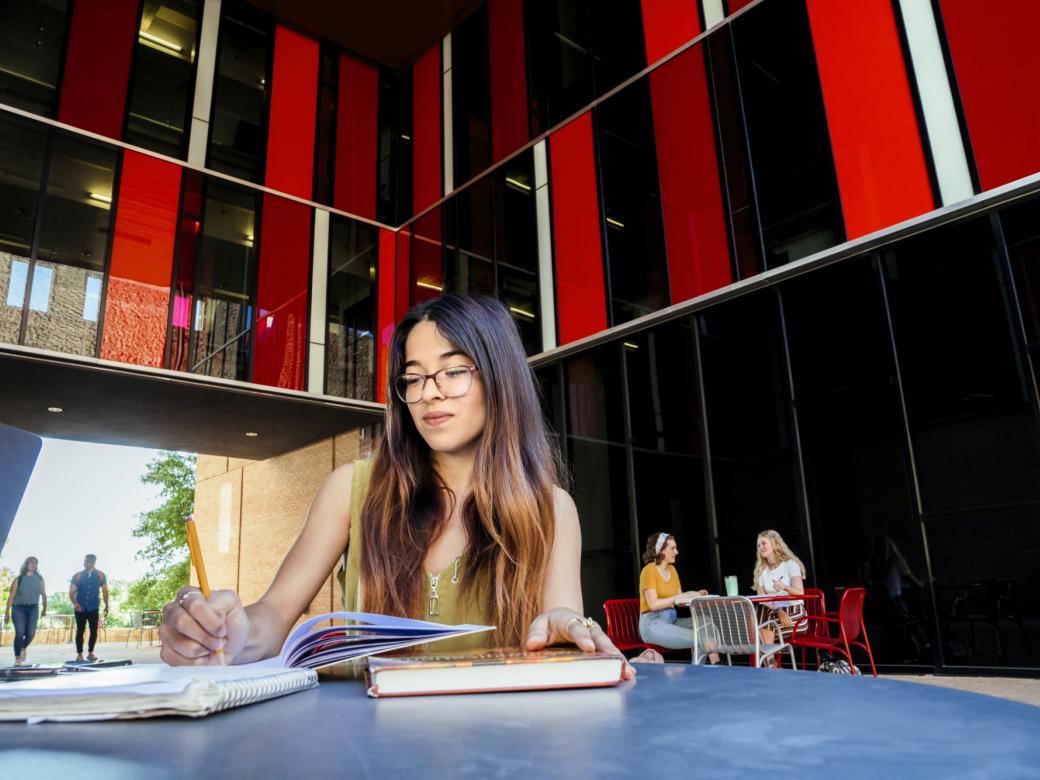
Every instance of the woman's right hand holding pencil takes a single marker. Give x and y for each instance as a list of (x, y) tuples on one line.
[(193, 628)]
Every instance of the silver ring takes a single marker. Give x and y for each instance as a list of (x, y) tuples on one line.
[(588, 622), (185, 595)]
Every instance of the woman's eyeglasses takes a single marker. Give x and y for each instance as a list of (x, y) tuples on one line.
[(452, 382)]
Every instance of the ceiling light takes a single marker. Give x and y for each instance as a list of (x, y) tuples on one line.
[(630, 345), (405, 137), (55, 409), (615, 223), (521, 312), (248, 236), (161, 41), (252, 434), (100, 197), (518, 184), (428, 286)]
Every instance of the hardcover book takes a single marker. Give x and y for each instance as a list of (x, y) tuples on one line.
[(491, 670)]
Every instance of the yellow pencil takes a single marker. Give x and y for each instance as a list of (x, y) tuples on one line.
[(195, 550)]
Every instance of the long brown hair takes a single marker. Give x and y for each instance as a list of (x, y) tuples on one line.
[(509, 515)]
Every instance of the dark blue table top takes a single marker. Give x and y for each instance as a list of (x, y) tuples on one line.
[(677, 719)]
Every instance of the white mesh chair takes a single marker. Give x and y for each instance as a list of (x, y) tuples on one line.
[(727, 625)]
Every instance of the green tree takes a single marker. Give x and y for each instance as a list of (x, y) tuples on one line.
[(163, 527)]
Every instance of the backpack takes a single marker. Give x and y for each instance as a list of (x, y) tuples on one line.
[(831, 665)]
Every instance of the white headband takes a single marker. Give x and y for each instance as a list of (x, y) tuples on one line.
[(661, 539)]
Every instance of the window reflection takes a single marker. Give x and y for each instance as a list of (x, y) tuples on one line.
[(32, 37), (238, 128), (21, 166), (225, 282), (350, 341), (161, 91), (76, 213)]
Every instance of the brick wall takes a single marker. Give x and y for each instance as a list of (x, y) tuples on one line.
[(249, 513)]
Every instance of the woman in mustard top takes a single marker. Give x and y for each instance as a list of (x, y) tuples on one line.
[(659, 590), (463, 517)]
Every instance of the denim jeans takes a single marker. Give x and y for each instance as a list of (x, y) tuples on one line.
[(666, 629), (24, 617)]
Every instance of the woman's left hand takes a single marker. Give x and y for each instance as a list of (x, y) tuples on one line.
[(565, 625)]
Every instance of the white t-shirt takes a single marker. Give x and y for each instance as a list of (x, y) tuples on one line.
[(786, 571)]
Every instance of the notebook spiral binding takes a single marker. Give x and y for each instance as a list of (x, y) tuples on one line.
[(235, 693)]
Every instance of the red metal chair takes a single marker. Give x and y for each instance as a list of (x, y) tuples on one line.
[(623, 625), (850, 627)]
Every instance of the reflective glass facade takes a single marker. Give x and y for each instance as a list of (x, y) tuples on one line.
[(257, 203)]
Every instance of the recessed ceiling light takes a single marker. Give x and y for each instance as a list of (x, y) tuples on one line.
[(55, 409), (252, 434)]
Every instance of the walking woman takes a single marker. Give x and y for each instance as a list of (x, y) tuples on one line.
[(459, 517), (23, 606)]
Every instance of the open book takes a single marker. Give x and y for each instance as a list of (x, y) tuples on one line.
[(492, 670), (148, 690)]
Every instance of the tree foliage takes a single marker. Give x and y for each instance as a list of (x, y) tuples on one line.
[(163, 527)]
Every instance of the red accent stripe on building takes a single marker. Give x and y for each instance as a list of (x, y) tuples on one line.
[(878, 154), (997, 61), (735, 5), (294, 106), (426, 130), (403, 273), (280, 331), (691, 193), (357, 113), (385, 318), (581, 297), (138, 299), (97, 65), (667, 25), (509, 121)]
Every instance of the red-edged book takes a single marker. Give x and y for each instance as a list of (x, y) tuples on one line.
[(490, 671)]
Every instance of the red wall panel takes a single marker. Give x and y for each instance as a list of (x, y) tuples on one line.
[(138, 299), (667, 25), (691, 194), (385, 318), (280, 331), (581, 298), (732, 6), (427, 258), (354, 188), (509, 121), (997, 61), (426, 130), (294, 106), (878, 153), (97, 65)]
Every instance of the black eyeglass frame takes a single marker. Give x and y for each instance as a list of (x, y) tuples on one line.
[(427, 377)]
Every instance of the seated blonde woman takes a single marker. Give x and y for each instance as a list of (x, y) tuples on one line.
[(778, 572)]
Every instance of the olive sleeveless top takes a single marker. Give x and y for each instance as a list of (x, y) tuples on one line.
[(443, 601)]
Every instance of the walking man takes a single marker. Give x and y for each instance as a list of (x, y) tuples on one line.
[(83, 593)]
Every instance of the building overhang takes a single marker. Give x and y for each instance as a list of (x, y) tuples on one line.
[(114, 403), (387, 32)]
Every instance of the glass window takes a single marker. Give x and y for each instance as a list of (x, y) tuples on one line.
[(753, 460), (351, 310), (325, 134), (238, 128), (163, 78), (631, 204), (76, 215), (427, 273), (225, 282), (791, 158), (516, 247), (578, 50), (969, 401), (855, 455), (189, 227), (471, 96), (667, 438), (1022, 233), (22, 145), (983, 581), (32, 39), (469, 265), (594, 395)]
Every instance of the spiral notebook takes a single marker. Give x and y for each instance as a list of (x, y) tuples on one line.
[(147, 691)]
